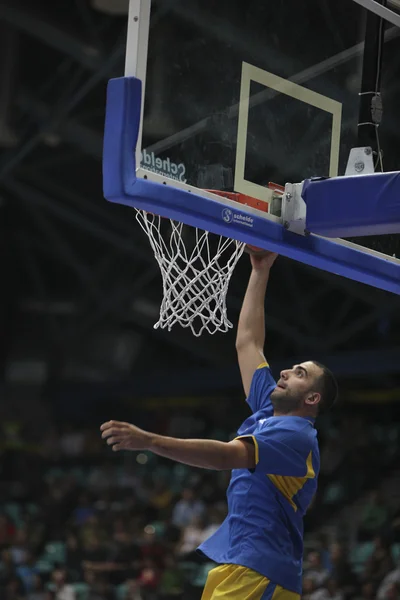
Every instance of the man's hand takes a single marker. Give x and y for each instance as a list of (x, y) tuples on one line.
[(263, 262), (124, 436)]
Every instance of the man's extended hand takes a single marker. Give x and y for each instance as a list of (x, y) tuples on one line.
[(263, 262), (124, 436)]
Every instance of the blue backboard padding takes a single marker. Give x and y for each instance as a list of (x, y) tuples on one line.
[(120, 135), (354, 206), (122, 186)]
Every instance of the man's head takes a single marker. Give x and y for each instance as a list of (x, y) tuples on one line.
[(307, 389)]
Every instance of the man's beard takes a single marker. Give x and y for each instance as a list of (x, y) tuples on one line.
[(284, 402)]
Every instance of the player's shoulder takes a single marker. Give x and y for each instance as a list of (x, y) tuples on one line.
[(301, 425), (291, 430)]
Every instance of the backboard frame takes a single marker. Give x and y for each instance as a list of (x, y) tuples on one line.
[(250, 73)]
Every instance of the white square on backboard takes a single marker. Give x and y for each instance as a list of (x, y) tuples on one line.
[(282, 86)]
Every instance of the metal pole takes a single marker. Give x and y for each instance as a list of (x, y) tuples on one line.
[(137, 52), (370, 98)]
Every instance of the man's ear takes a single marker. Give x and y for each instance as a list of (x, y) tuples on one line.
[(313, 399)]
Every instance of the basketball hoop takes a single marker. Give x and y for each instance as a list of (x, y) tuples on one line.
[(196, 268)]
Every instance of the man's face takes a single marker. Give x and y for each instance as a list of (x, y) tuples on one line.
[(296, 387)]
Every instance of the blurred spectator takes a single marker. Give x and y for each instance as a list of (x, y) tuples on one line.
[(50, 445), (72, 442), (149, 579), (132, 590), (93, 528), (37, 591), (315, 569), (161, 497), (374, 516), (84, 510), (27, 571), (367, 591), (19, 548), (172, 580), (187, 508), (123, 560), (93, 553), (325, 550), (330, 591), (380, 562), (7, 568), (393, 592), (333, 453), (7, 531), (99, 589), (62, 590), (308, 588), (57, 503), (395, 525), (192, 536), (74, 557), (102, 477), (184, 421), (12, 435), (127, 479), (340, 570), (151, 548), (13, 590), (215, 518), (393, 577)]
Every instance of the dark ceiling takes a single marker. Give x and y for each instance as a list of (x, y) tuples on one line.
[(80, 287)]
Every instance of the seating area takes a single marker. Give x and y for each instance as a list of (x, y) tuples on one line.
[(79, 523)]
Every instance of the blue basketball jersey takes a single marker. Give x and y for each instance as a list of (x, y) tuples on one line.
[(264, 527)]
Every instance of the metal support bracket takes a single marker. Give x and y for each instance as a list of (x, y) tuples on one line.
[(361, 162), (294, 209)]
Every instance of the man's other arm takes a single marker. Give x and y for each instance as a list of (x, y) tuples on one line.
[(206, 454)]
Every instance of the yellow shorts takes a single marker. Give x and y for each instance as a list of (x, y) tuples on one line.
[(239, 583)]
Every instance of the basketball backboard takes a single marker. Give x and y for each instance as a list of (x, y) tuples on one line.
[(238, 94)]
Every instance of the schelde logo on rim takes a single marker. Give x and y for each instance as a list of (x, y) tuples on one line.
[(231, 217), (163, 167)]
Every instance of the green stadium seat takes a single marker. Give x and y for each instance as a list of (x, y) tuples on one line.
[(44, 566), (334, 493), (55, 552), (81, 590), (121, 592), (359, 555), (13, 511), (201, 574), (396, 553)]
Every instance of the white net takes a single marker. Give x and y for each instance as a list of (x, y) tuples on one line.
[(196, 268)]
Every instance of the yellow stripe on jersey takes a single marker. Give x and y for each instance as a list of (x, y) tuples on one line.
[(264, 364), (256, 451), (290, 486)]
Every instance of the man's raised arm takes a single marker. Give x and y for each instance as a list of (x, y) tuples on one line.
[(251, 329)]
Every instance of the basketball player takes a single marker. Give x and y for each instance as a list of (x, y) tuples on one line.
[(275, 462)]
